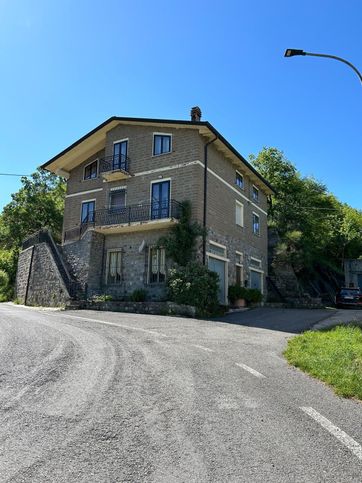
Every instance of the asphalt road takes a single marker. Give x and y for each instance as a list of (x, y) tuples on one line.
[(106, 397)]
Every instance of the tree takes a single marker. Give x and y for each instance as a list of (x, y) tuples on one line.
[(39, 203), (180, 242), (315, 229)]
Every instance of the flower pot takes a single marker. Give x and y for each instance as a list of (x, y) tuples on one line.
[(240, 303)]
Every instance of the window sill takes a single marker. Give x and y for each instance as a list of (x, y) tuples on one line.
[(161, 154)]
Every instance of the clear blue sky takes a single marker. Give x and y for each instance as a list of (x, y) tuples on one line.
[(68, 65)]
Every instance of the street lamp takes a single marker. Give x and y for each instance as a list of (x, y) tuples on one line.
[(293, 52)]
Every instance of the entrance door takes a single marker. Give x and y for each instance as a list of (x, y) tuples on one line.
[(218, 266), (160, 200)]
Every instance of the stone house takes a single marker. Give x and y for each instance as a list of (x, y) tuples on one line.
[(353, 273), (125, 182)]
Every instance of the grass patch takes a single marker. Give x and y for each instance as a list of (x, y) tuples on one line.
[(333, 356)]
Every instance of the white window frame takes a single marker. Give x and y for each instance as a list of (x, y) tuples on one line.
[(258, 260), (252, 193), (242, 177), (241, 206), (161, 180), (109, 251), (88, 164), (149, 266), (226, 266), (87, 201), (219, 245), (153, 142), (254, 232), (252, 269), (123, 188), (241, 265)]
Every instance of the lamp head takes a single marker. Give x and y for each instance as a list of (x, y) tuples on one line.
[(292, 52)]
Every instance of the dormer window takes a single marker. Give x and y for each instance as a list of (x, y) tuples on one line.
[(91, 170), (161, 144)]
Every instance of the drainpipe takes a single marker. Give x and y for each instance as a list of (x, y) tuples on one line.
[(205, 200)]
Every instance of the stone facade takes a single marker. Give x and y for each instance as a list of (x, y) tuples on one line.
[(39, 281), (353, 273), (235, 247)]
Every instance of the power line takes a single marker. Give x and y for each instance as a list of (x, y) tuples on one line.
[(12, 174)]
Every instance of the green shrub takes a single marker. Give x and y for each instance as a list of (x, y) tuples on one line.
[(102, 298), (5, 288), (236, 292), (194, 285), (253, 295), (138, 295), (250, 295)]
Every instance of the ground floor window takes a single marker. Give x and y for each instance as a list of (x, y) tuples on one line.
[(157, 265), (114, 267)]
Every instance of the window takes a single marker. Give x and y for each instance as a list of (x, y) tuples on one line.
[(117, 199), (157, 265), (239, 269), (114, 267), (239, 213), (88, 211), (239, 180), (256, 224), (120, 149), (217, 249), (255, 262), (255, 193), (91, 170), (160, 200), (161, 144)]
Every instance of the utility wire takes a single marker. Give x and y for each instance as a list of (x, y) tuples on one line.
[(12, 174)]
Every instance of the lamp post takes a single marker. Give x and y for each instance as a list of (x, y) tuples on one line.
[(293, 52)]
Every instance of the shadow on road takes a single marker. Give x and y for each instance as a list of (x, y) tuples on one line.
[(292, 321)]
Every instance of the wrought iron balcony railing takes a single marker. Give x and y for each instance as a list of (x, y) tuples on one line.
[(140, 213), (114, 163), (143, 212)]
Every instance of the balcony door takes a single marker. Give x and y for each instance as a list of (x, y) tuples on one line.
[(120, 155), (160, 200)]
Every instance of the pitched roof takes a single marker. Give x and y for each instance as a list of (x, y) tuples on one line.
[(78, 149)]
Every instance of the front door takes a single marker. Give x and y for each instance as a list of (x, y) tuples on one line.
[(218, 266), (160, 200)]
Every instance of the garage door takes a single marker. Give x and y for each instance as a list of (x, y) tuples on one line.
[(218, 266), (256, 280)]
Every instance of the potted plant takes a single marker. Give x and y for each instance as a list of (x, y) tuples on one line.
[(236, 295)]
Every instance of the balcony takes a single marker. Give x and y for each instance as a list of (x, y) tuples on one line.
[(114, 168), (141, 217)]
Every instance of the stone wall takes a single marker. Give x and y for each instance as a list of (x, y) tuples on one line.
[(22, 276), (85, 261), (44, 284)]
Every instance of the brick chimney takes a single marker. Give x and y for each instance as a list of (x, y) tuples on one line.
[(195, 114)]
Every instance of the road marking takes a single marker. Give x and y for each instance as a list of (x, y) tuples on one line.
[(343, 437), (251, 370), (202, 347), (121, 326)]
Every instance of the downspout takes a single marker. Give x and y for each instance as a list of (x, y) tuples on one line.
[(205, 200)]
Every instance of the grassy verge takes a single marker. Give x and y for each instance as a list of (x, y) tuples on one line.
[(334, 356)]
